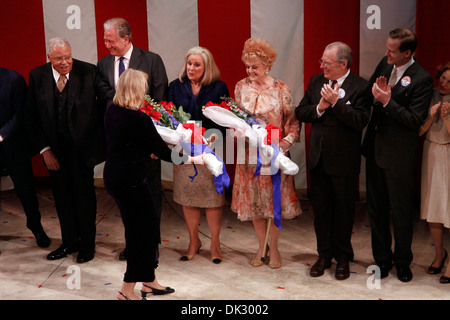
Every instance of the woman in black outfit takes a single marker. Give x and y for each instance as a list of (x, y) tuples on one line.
[(131, 138)]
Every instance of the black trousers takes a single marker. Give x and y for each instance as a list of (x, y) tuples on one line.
[(333, 201), (390, 195), (18, 166), (75, 199)]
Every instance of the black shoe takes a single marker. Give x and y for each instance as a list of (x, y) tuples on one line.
[(123, 255), (62, 252), (444, 279), (42, 239), (385, 267), (319, 267), (155, 291), (433, 270), (404, 273), (85, 255), (342, 270)]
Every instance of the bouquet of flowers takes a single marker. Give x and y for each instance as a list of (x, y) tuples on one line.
[(167, 119), (229, 114), (174, 127)]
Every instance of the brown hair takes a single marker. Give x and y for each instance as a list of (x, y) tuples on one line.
[(407, 37), (442, 68)]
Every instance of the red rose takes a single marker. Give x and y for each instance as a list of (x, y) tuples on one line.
[(225, 105), (197, 132), (155, 115), (272, 132), (210, 103)]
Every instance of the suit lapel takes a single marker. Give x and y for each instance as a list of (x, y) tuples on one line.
[(110, 69), (135, 59), (73, 88), (49, 82)]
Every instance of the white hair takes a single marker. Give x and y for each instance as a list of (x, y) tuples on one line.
[(56, 42)]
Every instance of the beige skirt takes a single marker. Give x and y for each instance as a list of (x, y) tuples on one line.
[(199, 192)]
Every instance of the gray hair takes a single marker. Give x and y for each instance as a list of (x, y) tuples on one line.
[(344, 52), (56, 42), (120, 25)]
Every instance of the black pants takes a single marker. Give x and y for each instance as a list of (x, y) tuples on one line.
[(390, 194), (333, 200), (18, 166), (75, 199)]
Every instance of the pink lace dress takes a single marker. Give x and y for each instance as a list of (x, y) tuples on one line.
[(252, 196)]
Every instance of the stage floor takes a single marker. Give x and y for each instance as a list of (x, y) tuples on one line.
[(26, 274)]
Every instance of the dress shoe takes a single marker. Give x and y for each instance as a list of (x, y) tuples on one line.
[(42, 240), (342, 270), (188, 257), (85, 255), (319, 267), (404, 273), (434, 270), (444, 279), (62, 252), (385, 267), (157, 292), (123, 255)]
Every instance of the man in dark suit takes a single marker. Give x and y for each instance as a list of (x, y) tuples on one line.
[(65, 109), (123, 55), (401, 105), (337, 103), (16, 151)]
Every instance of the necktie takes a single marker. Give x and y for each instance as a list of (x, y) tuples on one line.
[(393, 78), (121, 66), (61, 82), (333, 84)]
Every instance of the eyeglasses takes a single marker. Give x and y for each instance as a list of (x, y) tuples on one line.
[(324, 64), (60, 59)]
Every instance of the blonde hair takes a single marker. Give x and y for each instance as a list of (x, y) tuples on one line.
[(131, 89), (211, 73), (257, 47)]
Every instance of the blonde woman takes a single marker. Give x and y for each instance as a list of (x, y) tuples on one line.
[(197, 84), (131, 139)]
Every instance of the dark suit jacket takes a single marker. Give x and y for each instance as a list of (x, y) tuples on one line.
[(142, 60), (13, 89), (88, 94), (392, 133), (336, 135)]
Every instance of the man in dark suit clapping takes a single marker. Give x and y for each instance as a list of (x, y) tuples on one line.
[(64, 112), (401, 105), (124, 55), (337, 103)]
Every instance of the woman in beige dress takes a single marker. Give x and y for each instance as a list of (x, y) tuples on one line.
[(199, 83), (269, 100), (435, 188)]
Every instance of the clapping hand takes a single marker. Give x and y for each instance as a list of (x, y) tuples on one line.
[(445, 111), (329, 94), (381, 90)]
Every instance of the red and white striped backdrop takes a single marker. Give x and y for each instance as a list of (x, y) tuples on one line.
[(299, 29)]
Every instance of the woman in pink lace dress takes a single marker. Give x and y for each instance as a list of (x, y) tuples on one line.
[(269, 100)]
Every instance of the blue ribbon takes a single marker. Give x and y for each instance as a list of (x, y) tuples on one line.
[(196, 149), (276, 184)]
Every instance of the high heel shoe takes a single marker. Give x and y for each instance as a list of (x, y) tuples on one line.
[(126, 298), (156, 292), (444, 279), (257, 262), (434, 270), (275, 264), (188, 257), (216, 260)]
